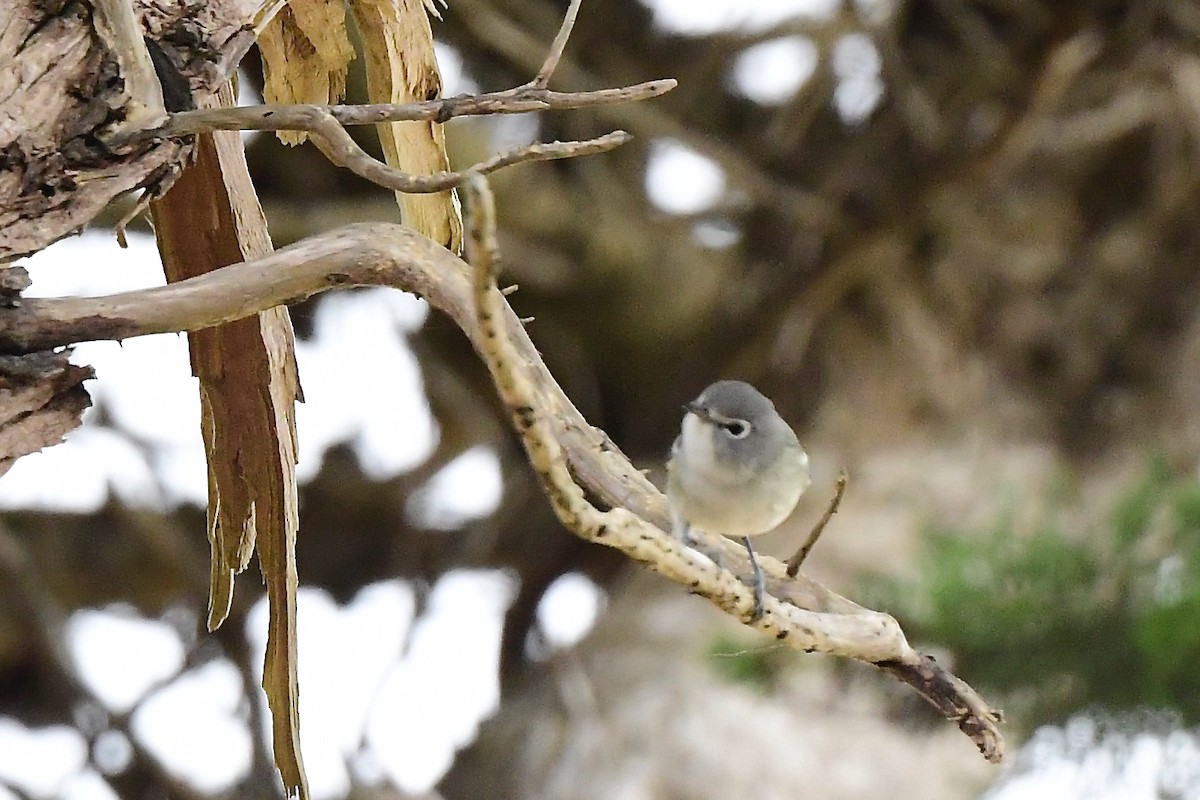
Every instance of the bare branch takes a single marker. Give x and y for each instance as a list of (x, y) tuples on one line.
[(482, 251), (618, 527), (338, 146), (953, 699), (799, 611), (557, 46), (520, 100), (129, 216)]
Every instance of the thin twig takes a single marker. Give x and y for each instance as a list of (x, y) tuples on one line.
[(520, 100), (338, 146), (129, 216), (793, 564), (556, 48), (327, 133)]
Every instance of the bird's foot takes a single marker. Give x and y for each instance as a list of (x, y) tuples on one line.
[(760, 584)]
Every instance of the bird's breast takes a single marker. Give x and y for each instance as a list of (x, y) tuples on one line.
[(734, 502)]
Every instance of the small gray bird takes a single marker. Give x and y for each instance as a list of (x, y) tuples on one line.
[(736, 468)]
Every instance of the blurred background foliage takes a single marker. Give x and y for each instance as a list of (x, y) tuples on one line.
[(1060, 620), (960, 254)]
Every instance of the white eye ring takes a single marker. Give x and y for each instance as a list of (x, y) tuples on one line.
[(737, 428)]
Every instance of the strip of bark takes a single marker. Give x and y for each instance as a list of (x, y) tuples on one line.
[(248, 391)]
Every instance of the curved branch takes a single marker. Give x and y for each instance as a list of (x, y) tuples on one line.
[(340, 148), (800, 612)]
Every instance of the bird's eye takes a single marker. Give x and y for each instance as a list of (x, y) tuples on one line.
[(737, 428)]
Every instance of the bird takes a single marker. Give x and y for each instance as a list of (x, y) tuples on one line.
[(736, 469)]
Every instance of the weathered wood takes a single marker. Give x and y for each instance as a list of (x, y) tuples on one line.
[(42, 399), (63, 96), (248, 391)]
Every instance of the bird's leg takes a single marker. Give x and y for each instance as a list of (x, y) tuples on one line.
[(760, 588), (682, 530)]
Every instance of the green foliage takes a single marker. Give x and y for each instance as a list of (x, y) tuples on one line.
[(1110, 617)]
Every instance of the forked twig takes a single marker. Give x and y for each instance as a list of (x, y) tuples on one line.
[(339, 147)]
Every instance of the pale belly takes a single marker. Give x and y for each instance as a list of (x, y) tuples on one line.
[(744, 508)]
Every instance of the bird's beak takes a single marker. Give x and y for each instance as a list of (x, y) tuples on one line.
[(694, 407)]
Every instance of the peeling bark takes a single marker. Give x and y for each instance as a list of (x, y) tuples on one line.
[(61, 97), (42, 399)]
